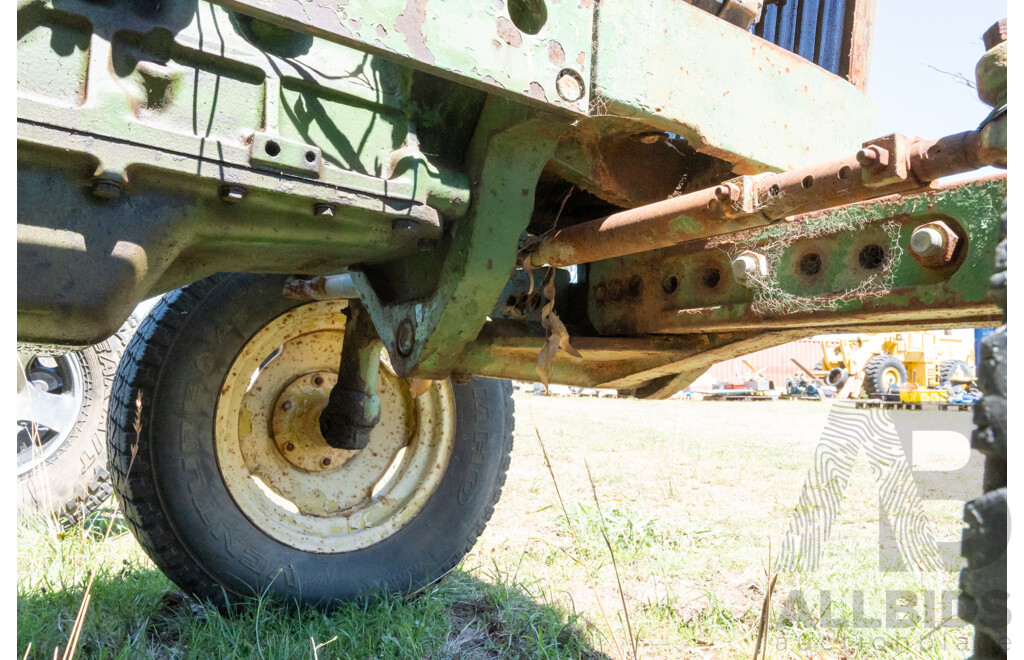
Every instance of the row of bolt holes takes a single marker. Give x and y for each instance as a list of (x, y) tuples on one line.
[(808, 181), (273, 149), (871, 257)]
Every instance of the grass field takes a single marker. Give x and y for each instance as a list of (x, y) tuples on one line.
[(695, 498)]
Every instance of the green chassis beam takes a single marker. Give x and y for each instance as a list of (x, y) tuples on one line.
[(668, 65), (842, 290)]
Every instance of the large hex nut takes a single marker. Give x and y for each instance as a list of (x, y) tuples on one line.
[(749, 265), (933, 244)]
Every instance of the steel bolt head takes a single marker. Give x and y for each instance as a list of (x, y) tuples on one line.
[(873, 157), (405, 225), (232, 193), (749, 264), (106, 189), (727, 192), (323, 209), (405, 338), (995, 35), (927, 241)]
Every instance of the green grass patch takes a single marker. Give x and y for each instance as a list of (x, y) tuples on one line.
[(696, 498)]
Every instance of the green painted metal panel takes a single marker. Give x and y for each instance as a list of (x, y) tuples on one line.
[(728, 92), (517, 49)]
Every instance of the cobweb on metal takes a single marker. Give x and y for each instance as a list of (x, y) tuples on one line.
[(772, 299)]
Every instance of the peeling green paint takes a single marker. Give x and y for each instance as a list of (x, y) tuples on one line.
[(841, 290), (702, 77)]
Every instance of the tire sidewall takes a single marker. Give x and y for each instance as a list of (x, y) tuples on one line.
[(178, 430), (875, 371), (73, 466)]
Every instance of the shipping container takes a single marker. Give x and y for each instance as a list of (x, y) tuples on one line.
[(775, 364)]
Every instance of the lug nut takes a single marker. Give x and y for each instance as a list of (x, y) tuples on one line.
[(290, 446), (325, 461), (318, 381), (932, 245), (287, 405), (231, 193), (749, 264)]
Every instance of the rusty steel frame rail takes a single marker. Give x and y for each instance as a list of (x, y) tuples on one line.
[(885, 166)]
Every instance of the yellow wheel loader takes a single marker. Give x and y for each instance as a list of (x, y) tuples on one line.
[(874, 364)]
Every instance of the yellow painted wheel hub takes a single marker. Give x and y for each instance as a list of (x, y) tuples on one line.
[(891, 376), (277, 466)]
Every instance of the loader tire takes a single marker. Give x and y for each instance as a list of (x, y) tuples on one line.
[(949, 369), (881, 372), (983, 596)]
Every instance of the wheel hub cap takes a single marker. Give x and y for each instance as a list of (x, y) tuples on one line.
[(296, 424)]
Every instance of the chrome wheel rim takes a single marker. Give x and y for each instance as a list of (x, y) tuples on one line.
[(48, 403)]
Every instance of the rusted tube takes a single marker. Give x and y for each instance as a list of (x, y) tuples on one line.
[(884, 167), (934, 159), (325, 287)]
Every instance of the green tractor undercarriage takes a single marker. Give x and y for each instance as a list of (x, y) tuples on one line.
[(612, 194)]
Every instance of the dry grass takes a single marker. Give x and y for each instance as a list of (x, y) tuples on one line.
[(693, 493)]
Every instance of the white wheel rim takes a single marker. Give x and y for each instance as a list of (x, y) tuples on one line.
[(35, 407), (272, 457)]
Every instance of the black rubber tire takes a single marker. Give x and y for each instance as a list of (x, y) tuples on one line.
[(837, 377), (177, 505), (874, 369), (73, 481), (950, 368), (983, 593)]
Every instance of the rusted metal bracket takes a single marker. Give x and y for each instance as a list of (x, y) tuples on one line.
[(923, 259), (504, 350), (888, 165), (353, 408), (425, 334)]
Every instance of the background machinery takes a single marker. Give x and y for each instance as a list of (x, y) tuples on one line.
[(874, 364)]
